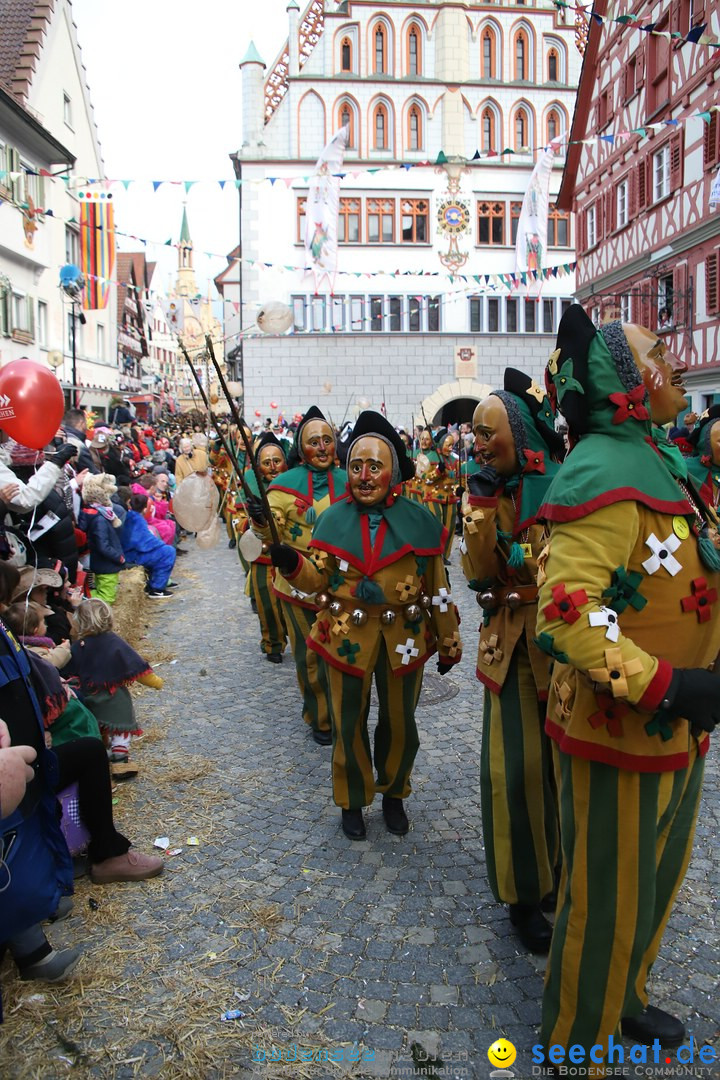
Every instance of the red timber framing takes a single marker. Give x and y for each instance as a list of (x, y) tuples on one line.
[(648, 242)]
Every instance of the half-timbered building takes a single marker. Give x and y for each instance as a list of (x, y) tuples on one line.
[(648, 238)]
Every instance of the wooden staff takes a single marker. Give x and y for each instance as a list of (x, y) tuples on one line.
[(231, 455), (269, 517)]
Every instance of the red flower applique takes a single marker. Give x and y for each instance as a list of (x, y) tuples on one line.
[(535, 461), (701, 600), (300, 506), (609, 714), (565, 605), (323, 630), (630, 406)]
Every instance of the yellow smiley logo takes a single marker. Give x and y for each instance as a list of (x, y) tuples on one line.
[(502, 1053)]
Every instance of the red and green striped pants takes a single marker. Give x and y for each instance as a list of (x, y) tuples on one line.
[(308, 665), (270, 617)]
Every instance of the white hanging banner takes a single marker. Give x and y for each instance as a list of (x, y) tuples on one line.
[(321, 209), (531, 243)]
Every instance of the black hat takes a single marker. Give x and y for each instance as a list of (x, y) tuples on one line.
[(313, 413), (374, 423), (527, 390), (268, 438), (576, 333), (440, 436), (712, 414)]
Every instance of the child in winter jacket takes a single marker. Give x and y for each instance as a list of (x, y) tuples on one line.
[(145, 549), (99, 521), (104, 665), (27, 623)]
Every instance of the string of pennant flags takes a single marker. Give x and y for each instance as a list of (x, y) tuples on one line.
[(442, 158), (695, 36)]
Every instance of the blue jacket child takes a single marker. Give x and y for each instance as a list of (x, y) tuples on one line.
[(141, 546), (102, 526)]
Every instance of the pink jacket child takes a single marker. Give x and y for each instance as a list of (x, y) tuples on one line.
[(156, 514)]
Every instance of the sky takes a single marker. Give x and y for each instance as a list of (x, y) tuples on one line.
[(166, 92)]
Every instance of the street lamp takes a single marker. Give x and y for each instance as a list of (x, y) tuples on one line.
[(72, 284)]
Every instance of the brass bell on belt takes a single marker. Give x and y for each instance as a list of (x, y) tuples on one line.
[(336, 608), (322, 600), (413, 612), (486, 599), (424, 600), (513, 600), (359, 617), (387, 618), (265, 548)]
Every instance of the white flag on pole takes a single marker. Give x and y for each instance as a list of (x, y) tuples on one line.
[(321, 209), (531, 242)]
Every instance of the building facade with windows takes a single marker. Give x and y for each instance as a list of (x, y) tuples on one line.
[(47, 127), (434, 96), (648, 238)]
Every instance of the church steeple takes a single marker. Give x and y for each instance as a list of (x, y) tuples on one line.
[(186, 284)]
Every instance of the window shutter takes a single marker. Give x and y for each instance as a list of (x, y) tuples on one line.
[(580, 230), (711, 283), (41, 193), (641, 186), (644, 302), (640, 68), (16, 184), (30, 316), (610, 205), (676, 160), (680, 299), (710, 141), (675, 16), (5, 312)]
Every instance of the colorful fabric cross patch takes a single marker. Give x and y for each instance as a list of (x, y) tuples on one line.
[(535, 391), (301, 507), (534, 461), (489, 650), (624, 589), (565, 694), (546, 643), (296, 530), (335, 580), (408, 650), (608, 618), (609, 714), (452, 644), (616, 672), (565, 605), (343, 565), (347, 649), (323, 630), (406, 589), (553, 361), (662, 555), (630, 406), (660, 725), (701, 599), (472, 519), (319, 558), (341, 624), (421, 562), (565, 380), (442, 600)]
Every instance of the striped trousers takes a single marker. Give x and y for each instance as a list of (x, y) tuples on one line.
[(396, 738), (272, 625), (626, 840), (308, 665), (447, 513), (517, 789)]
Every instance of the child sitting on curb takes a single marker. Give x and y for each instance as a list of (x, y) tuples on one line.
[(105, 665), (145, 549)]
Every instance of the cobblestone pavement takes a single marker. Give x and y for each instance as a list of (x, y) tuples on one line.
[(323, 943)]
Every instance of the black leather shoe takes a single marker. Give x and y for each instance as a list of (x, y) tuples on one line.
[(253, 605), (395, 817), (324, 738), (548, 904), (653, 1024), (531, 927), (274, 657), (353, 824)]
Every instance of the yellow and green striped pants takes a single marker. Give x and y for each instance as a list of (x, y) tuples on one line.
[(517, 789), (626, 840), (447, 513), (272, 624), (396, 738), (308, 665)]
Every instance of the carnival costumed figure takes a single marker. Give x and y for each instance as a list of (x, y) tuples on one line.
[(222, 473), (271, 462), (439, 484), (628, 611), (423, 456), (375, 566), (297, 498), (514, 428), (704, 465)]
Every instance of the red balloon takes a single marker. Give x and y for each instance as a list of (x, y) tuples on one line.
[(31, 403), (273, 404), (258, 413)]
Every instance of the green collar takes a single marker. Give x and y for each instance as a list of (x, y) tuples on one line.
[(343, 530)]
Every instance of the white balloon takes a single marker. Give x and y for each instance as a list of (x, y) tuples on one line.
[(208, 538), (195, 503), (275, 318)]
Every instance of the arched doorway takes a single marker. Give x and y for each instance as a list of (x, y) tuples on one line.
[(454, 403)]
